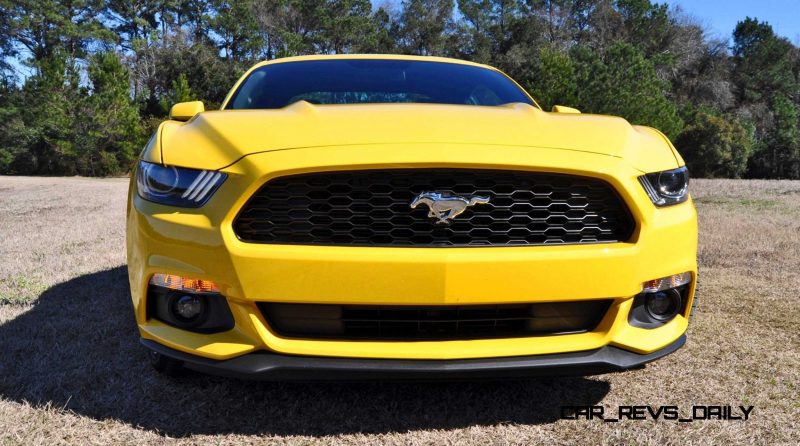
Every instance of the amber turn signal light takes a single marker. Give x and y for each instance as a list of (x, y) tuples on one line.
[(179, 283), (666, 283)]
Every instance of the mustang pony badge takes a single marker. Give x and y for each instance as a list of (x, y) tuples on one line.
[(445, 207)]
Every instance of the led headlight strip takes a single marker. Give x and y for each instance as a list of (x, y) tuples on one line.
[(177, 186), (200, 187)]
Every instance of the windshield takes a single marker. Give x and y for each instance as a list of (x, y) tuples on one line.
[(359, 81)]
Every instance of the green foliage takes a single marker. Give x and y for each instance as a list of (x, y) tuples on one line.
[(111, 135), (778, 153), (14, 135), (49, 110), (345, 26), (554, 81), (295, 27), (648, 27), (504, 33), (715, 146), (180, 67), (763, 62), (103, 73), (380, 40), (422, 25), (181, 92), (238, 29), (765, 73), (624, 83), (58, 127)]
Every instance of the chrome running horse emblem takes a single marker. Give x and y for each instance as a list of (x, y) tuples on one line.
[(445, 207)]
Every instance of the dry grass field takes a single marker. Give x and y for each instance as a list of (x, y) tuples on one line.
[(72, 370)]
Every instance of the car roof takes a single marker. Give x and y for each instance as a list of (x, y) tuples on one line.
[(371, 56)]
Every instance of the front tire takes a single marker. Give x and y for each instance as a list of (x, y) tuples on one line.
[(165, 365)]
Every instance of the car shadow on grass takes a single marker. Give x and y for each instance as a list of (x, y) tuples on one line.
[(78, 348)]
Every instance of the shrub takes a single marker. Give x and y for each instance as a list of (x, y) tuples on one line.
[(714, 146)]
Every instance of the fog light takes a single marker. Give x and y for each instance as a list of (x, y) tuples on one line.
[(661, 300), (663, 305), (189, 304), (187, 308)]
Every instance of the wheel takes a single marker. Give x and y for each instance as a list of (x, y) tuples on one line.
[(166, 365)]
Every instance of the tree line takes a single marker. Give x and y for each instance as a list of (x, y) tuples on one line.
[(98, 75)]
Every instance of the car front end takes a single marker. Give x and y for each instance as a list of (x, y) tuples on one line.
[(290, 248)]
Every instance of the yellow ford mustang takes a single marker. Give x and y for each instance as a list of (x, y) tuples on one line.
[(406, 217)]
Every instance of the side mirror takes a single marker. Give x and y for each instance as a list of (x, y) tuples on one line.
[(184, 111), (564, 109)]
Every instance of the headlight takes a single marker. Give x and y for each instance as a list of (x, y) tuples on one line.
[(176, 186), (667, 187)]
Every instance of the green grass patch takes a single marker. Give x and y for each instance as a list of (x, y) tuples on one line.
[(19, 290), (756, 204)]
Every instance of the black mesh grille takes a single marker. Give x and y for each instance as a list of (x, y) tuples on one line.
[(373, 322), (372, 208)]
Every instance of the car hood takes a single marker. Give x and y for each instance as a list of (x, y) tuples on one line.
[(216, 139)]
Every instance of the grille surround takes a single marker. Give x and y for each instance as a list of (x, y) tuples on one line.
[(371, 208), (433, 323)]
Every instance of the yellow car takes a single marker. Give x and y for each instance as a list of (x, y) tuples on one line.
[(389, 217)]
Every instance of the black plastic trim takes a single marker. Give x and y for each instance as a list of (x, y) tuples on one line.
[(276, 367), (216, 318)]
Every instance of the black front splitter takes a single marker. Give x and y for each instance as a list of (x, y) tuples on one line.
[(277, 367)]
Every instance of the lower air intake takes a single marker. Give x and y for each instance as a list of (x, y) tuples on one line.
[(371, 322)]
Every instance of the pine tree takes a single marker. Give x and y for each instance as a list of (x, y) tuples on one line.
[(180, 92), (111, 136), (237, 28), (50, 99), (763, 74), (14, 135), (624, 83), (553, 80), (423, 25)]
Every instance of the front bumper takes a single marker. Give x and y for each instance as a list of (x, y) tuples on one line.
[(270, 366), (200, 243)]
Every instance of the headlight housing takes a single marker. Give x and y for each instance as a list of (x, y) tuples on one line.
[(177, 186), (668, 187)]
